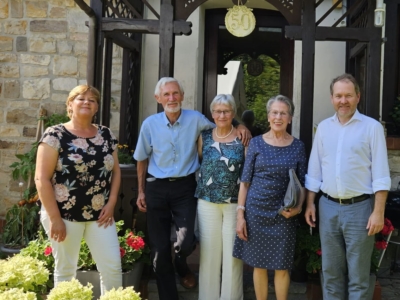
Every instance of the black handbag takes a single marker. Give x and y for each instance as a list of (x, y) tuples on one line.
[(293, 192)]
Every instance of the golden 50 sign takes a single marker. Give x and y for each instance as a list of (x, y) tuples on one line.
[(240, 21)]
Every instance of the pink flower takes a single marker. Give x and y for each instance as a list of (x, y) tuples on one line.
[(48, 251), (319, 252), (380, 245), (122, 251), (387, 227), (135, 242)]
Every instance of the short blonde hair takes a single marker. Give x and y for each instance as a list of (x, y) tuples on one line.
[(81, 90)]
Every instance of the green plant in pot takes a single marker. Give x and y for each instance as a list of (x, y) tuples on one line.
[(22, 219), (22, 223)]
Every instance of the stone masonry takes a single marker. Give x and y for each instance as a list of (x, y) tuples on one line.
[(43, 55)]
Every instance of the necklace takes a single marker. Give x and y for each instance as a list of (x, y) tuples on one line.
[(222, 137)]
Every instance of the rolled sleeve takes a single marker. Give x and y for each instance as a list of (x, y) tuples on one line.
[(382, 184), (312, 184), (143, 146)]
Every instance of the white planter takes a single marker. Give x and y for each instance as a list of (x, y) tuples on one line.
[(131, 278)]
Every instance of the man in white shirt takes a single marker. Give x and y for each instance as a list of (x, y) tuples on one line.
[(348, 163)]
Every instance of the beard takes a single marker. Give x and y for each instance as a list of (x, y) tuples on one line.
[(172, 109)]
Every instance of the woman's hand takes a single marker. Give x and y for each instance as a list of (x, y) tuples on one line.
[(58, 231), (241, 229), (291, 212), (106, 216)]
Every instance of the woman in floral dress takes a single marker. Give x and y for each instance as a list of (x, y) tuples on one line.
[(77, 178)]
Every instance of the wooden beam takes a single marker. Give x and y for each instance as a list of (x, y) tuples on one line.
[(106, 103), (123, 41), (391, 69), (143, 26), (307, 74), (167, 41), (334, 34), (372, 87)]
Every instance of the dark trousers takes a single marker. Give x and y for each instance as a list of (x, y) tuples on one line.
[(166, 201)]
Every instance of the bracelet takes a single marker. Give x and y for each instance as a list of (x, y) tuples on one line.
[(240, 207)]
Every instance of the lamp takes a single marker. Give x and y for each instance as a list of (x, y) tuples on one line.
[(379, 15)]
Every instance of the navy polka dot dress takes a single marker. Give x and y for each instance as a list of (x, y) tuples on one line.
[(271, 237)]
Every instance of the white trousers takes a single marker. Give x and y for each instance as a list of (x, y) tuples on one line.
[(217, 230), (103, 244)]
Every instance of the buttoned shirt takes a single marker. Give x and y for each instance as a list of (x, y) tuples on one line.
[(171, 148), (350, 159)]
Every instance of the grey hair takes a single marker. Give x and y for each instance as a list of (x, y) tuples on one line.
[(163, 81), (283, 99), (226, 99)]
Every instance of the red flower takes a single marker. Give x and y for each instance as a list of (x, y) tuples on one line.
[(380, 245), (122, 251), (319, 252), (387, 227), (48, 251), (135, 242)]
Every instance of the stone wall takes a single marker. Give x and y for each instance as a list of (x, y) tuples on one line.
[(43, 55)]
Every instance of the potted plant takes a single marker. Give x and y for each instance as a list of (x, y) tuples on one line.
[(125, 157), (21, 225), (22, 221), (127, 293), (70, 290), (23, 272), (134, 254)]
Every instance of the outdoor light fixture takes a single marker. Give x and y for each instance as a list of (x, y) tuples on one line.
[(379, 16)]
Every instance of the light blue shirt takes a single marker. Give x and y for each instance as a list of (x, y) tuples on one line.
[(171, 149), (350, 159)]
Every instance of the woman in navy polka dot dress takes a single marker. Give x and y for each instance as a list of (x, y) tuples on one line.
[(266, 239)]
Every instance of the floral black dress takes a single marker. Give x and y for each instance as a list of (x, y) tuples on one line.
[(82, 178)]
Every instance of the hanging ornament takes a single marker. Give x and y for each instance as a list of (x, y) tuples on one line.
[(239, 20)]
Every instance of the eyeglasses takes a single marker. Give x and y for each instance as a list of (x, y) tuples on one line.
[(220, 112), (275, 113)]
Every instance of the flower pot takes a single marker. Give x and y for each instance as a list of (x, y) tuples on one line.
[(130, 278), (93, 277), (10, 251), (126, 166)]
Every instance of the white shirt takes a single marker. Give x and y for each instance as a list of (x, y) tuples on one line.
[(348, 160)]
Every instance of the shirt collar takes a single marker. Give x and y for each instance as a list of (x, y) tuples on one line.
[(166, 121), (357, 116)]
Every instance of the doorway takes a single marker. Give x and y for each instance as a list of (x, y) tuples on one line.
[(266, 45)]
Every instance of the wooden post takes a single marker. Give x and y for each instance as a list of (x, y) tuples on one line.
[(167, 41), (307, 74)]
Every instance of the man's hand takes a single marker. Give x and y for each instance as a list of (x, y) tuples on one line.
[(310, 214), (375, 223), (244, 134), (141, 202)]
